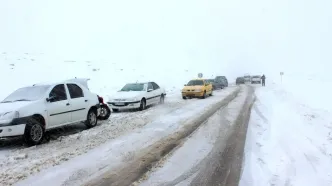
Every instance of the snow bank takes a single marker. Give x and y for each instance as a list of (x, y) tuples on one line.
[(289, 136), (311, 90)]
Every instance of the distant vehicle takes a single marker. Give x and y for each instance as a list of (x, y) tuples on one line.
[(247, 78), (222, 79), (256, 79), (240, 80), (33, 110), (215, 85), (137, 96), (197, 88)]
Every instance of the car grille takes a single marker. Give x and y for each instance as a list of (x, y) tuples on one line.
[(114, 104)]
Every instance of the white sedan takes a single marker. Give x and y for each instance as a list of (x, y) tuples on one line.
[(33, 110), (137, 96)]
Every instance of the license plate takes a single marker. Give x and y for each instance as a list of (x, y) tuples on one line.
[(120, 104)]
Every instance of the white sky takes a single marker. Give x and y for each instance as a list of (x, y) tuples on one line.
[(237, 36)]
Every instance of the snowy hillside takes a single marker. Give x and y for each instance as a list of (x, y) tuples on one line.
[(106, 76)]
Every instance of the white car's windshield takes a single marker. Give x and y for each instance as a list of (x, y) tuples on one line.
[(133, 87), (27, 94)]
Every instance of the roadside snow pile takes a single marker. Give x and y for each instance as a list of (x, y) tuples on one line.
[(289, 139)]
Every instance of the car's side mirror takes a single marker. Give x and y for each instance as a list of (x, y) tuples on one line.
[(185, 84), (149, 90), (51, 99)]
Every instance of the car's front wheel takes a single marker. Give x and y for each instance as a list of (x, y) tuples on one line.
[(204, 95), (162, 99), (34, 132), (91, 120), (142, 105)]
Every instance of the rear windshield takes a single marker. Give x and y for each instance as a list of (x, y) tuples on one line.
[(195, 82), (209, 80)]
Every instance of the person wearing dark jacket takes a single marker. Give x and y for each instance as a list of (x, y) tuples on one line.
[(263, 80)]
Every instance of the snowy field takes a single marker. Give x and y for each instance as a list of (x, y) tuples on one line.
[(289, 140)]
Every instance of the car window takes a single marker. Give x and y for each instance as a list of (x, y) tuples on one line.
[(195, 82), (75, 91), (59, 92), (150, 86), (155, 86)]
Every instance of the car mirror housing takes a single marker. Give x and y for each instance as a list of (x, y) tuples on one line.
[(50, 99)]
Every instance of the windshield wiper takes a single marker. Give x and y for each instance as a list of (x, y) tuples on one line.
[(23, 100)]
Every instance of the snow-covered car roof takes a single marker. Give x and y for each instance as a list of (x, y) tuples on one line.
[(82, 81)]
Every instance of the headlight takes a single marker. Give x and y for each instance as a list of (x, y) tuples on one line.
[(9, 115)]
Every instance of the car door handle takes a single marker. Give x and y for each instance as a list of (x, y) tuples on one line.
[(67, 104)]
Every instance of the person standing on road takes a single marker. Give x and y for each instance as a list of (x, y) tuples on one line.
[(263, 80)]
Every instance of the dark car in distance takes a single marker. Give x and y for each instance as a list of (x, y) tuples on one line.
[(221, 79), (240, 80), (215, 85)]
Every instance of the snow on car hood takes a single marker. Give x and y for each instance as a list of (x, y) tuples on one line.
[(126, 95), (13, 106)]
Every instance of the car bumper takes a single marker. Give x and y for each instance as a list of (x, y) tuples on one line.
[(192, 94), (127, 105), (12, 130)]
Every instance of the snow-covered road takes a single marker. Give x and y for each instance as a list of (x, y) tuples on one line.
[(60, 161), (288, 142), (187, 162)]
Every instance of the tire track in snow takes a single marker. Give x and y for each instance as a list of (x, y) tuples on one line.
[(146, 158)]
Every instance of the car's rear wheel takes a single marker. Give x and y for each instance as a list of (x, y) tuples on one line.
[(211, 93), (91, 120), (142, 105), (34, 132), (105, 112)]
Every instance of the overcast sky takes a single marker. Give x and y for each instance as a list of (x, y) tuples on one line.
[(258, 36)]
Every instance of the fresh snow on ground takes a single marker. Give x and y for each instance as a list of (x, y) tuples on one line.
[(97, 148), (289, 139)]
